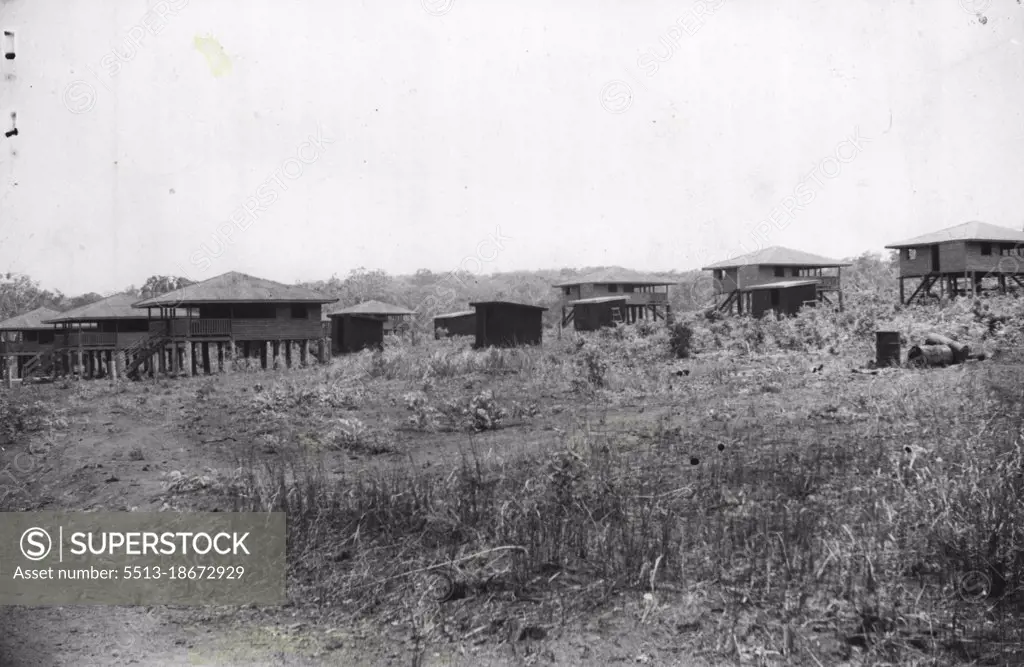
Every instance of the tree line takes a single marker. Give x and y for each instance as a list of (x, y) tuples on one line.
[(872, 277)]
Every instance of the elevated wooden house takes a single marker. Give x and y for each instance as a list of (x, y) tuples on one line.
[(461, 323), (24, 339), (100, 338), (965, 259), (776, 278), (392, 316), (645, 297), (508, 324), (234, 314)]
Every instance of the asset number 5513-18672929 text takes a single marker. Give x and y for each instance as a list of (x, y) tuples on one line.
[(174, 572)]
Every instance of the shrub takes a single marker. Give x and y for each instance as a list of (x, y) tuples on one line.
[(484, 412), (680, 339)]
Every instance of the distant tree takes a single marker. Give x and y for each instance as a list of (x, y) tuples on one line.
[(83, 300), (20, 294), (364, 285), (423, 277), (157, 285)]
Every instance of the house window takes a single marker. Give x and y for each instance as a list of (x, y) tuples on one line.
[(567, 291), (986, 248), (627, 288), (613, 288), (910, 254), (718, 274), (795, 273), (300, 312), (780, 272)]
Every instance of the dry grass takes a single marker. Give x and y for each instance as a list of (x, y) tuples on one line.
[(883, 512)]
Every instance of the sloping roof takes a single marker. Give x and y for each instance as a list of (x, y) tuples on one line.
[(597, 299), (777, 256), (616, 275), (117, 307), (372, 308), (968, 231), (235, 287), (461, 313), (30, 320), (506, 303), (782, 284)]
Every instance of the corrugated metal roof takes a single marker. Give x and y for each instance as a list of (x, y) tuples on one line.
[(461, 313), (372, 308), (974, 230), (782, 284), (777, 256), (117, 307), (506, 303), (597, 299), (30, 320), (616, 275), (235, 287)]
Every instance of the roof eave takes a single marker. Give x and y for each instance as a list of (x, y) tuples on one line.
[(187, 303)]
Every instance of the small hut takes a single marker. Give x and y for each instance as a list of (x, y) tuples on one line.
[(351, 332), (601, 311), (461, 323), (785, 298), (508, 324), (391, 315)]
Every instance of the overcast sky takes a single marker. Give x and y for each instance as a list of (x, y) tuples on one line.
[(580, 133)]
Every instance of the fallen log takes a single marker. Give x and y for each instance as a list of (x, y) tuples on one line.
[(931, 355), (960, 351)]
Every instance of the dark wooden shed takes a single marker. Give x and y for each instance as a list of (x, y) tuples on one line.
[(351, 332), (601, 311), (508, 324), (394, 317), (462, 323), (785, 298)]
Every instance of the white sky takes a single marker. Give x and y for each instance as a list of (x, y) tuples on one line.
[(448, 127)]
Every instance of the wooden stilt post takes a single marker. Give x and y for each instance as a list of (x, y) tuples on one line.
[(190, 366), (903, 300), (81, 357), (9, 372), (305, 352)]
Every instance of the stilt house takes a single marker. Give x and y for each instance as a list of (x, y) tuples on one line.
[(24, 340), (237, 314), (965, 259), (776, 278), (609, 296)]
